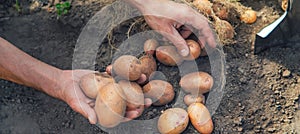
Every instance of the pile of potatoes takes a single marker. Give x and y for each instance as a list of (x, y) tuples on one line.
[(223, 13), (129, 80), (175, 120)]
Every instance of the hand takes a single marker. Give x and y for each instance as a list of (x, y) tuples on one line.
[(71, 93), (176, 22)]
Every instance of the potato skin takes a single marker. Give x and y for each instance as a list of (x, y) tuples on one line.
[(224, 29), (161, 92), (148, 64), (150, 45), (204, 6), (189, 99), (127, 67), (200, 118), (173, 121), (91, 83), (110, 105), (134, 95), (168, 55), (195, 50), (249, 16), (196, 82), (221, 11)]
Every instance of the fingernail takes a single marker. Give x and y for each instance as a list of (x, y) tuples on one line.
[(91, 121), (184, 52)]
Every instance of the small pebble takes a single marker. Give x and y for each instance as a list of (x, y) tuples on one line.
[(271, 130), (286, 73), (290, 117), (240, 129)]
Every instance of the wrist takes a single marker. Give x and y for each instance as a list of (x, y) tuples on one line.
[(140, 4), (51, 84)]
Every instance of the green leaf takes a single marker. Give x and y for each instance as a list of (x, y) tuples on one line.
[(58, 6), (67, 4), (65, 11)]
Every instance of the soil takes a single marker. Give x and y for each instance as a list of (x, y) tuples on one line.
[(261, 94)]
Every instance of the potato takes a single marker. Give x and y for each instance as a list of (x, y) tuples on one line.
[(173, 121), (168, 55), (91, 83), (200, 118), (224, 29), (195, 50), (196, 82), (148, 65), (150, 46), (249, 17), (284, 5), (110, 105), (204, 6), (221, 11), (127, 67), (161, 92), (189, 99), (134, 95)]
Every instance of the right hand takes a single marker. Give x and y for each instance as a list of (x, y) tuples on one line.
[(176, 22)]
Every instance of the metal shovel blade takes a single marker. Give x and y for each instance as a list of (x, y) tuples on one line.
[(283, 31)]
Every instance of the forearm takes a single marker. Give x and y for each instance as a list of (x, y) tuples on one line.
[(19, 67)]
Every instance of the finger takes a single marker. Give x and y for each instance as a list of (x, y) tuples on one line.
[(91, 114), (172, 35), (130, 115), (90, 102), (185, 33), (209, 38), (85, 110), (142, 79), (206, 35), (201, 42), (109, 69), (147, 102)]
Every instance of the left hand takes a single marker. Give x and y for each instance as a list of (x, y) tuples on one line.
[(71, 93)]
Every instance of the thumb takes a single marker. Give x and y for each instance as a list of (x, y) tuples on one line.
[(178, 41), (86, 110), (90, 113)]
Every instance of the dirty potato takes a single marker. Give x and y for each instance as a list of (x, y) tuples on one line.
[(196, 82), (91, 83), (200, 118), (110, 105), (173, 121), (134, 95), (127, 67), (168, 55), (161, 92)]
